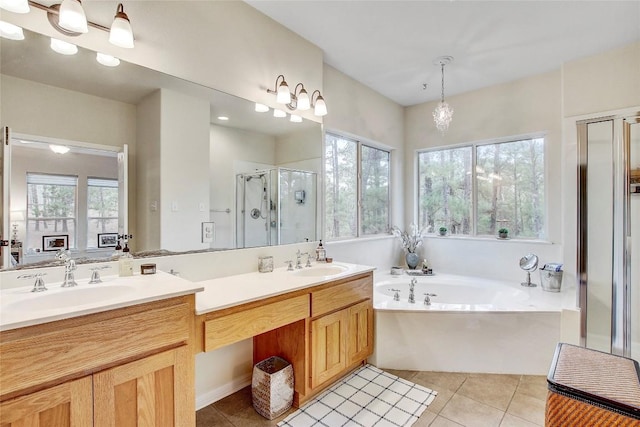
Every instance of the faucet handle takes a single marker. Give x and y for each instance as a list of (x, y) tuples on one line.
[(39, 286), (308, 264), (95, 276), (290, 266), (427, 298), (396, 295)]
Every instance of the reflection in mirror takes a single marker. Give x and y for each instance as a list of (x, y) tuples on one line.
[(73, 98)]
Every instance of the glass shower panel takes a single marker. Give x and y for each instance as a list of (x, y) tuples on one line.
[(599, 268), (634, 225), (297, 205)]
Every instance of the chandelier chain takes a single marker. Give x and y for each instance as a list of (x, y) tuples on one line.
[(442, 73)]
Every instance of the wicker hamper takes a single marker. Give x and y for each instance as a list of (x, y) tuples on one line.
[(591, 388), (272, 387)]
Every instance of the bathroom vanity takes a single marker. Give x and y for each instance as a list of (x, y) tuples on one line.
[(322, 324), (125, 349)]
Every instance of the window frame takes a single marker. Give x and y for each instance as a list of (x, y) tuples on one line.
[(474, 193), (88, 217), (359, 185)]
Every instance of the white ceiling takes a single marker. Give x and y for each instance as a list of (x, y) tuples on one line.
[(390, 46)]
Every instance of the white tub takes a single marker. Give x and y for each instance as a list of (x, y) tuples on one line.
[(472, 325)]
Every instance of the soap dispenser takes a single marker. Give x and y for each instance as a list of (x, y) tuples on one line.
[(125, 264), (321, 253), (117, 251)]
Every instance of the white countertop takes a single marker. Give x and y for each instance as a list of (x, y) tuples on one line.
[(242, 288), (19, 307)]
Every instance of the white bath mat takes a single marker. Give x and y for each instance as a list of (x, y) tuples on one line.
[(367, 397)]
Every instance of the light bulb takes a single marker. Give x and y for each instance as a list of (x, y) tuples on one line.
[(71, 16)]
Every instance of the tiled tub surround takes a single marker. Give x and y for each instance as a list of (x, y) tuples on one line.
[(473, 325)]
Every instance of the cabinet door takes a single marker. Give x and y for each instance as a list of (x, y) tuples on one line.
[(66, 405), (360, 332), (328, 346), (156, 391)]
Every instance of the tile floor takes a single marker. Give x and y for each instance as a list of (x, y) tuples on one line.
[(469, 400)]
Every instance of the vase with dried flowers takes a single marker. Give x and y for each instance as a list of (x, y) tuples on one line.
[(411, 241)]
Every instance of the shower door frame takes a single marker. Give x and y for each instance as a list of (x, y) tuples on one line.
[(621, 230)]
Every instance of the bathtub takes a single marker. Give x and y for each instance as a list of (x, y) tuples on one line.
[(471, 325)]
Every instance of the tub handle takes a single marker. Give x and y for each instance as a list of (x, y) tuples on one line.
[(396, 295), (427, 298)]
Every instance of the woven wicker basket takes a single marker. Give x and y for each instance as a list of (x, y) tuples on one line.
[(272, 387), (591, 388)]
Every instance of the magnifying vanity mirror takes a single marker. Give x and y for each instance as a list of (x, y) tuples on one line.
[(259, 186), (529, 263)]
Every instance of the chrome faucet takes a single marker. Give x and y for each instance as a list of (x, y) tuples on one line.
[(299, 257), (38, 285), (95, 275), (69, 268), (308, 264), (412, 286)]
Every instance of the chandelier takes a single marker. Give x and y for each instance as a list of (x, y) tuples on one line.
[(443, 114)]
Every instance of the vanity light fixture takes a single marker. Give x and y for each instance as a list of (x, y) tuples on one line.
[(15, 6), (279, 113), (107, 60), (443, 114), (296, 118), (59, 149), (299, 99), (10, 31), (69, 18), (63, 48), (318, 104), (261, 108)]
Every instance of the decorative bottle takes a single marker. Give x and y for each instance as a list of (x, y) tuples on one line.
[(321, 253), (125, 264)]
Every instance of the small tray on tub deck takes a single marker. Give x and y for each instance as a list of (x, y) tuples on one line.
[(420, 272)]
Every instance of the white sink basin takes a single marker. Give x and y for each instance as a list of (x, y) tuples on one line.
[(69, 297), (321, 271)]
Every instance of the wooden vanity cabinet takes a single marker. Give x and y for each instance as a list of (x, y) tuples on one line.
[(132, 366), (336, 336)]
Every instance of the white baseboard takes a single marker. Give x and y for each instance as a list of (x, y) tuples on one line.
[(211, 396)]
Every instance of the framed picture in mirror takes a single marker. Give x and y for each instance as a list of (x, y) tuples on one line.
[(107, 240), (55, 243)]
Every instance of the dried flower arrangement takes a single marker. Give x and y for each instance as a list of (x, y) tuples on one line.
[(412, 239)]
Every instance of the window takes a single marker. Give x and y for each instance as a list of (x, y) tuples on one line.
[(356, 188), (478, 189), (51, 208), (102, 208)]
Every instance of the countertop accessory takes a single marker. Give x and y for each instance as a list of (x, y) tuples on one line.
[(529, 263), (148, 268), (328, 260), (265, 264), (397, 271)]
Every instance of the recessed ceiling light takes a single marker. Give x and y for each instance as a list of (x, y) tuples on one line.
[(223, 118), (59, 149), (279, 113), (107, 60), (10, 31), (63, 48), (261, 108)]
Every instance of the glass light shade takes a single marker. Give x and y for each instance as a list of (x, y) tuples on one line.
[(442, 115), (223, 118), (59, 149), (72, 17), (63, 47), (320, 108), (10, 31), (279, 113), (121, 33), (261, 108), (107, 60), (15, 6), (283, 96), (296, 118), (303, 100)]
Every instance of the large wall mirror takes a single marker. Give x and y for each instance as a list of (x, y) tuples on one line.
[(263, 174)]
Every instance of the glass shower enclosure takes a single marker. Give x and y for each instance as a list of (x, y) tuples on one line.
[(609, 233), (275, 207)]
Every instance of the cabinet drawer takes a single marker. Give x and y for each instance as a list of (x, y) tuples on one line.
[(245, 324), (43, 354), (341, 295)]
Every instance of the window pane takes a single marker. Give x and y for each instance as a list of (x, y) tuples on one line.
[(444, 198), (375, 190), (510, 180), (102, 209), (51, 208), (341, 187)]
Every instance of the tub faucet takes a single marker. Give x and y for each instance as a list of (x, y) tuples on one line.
[(427, 298), (396, 295), (412, 286)]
